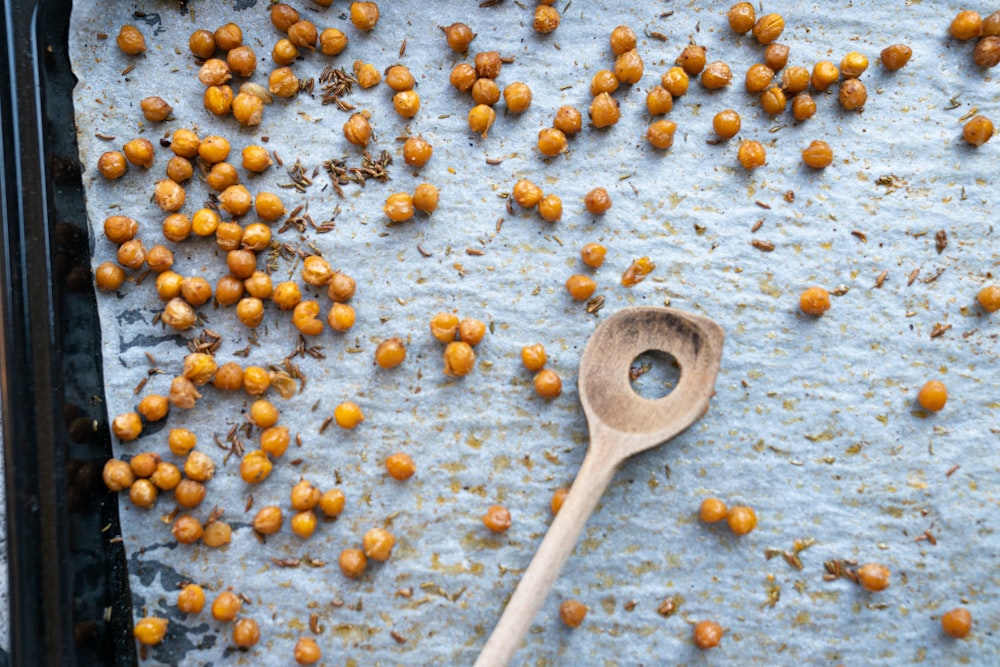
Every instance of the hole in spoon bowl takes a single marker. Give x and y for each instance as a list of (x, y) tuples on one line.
[(654, 374)]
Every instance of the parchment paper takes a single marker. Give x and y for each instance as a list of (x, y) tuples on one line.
[(814, 423)]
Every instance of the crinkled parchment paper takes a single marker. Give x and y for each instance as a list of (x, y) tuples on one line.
[(814, 423)]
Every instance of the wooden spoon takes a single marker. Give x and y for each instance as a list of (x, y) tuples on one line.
[(621, 424)]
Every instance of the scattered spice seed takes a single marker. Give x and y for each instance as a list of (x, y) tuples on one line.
[(765, 246), (939, 330)]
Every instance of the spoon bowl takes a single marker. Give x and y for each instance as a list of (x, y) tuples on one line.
[(621, 424)]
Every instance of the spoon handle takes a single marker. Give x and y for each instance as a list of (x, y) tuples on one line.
[(593, 478)]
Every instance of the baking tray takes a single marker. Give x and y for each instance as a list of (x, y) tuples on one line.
[(69, 600)]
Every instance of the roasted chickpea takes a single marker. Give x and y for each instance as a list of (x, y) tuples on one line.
[(567, 120), (852, 95), (139, 152), (159, 258), (803, 106), (226, 606), (406, 103), (661, 134), (341, 287), (250, 311), (471, 331), (229, 290), (741, 519), (199, 467), (283, 82), (151, 630), (716, 75), (256, 159), (255, 467), (117, 475), (550, 208), (112, 165), (341, 317), (824, 75), (533, 357), (127, 426), (303, 524), (604, 81), (181, 441), (692, 59), (179, 169), (399, 207), (751, 154), (458, 36), (517, 97), (228, 37), (352, 562), (773, 101), (399, 78), (726, 124), (178, 314), (526, 194), (332, 502), (366, 74), (818, 155), (795, 80), (417, 151), (153, 408), (629, 67), (390, 353), (768, 28), (712, 510), (119, 228), (229, 377), (284, 52), (967, 24), (597, 201), (286, 295), (814, 301), (895, 57), (184, 143), (488, 64), (214, 72), (130, 40), (873, 577), (622, 39), (191, 599), (604, 111), (463, 77), (933, 396), (485, 91), (307, 651), (497, 518), (572, 613), (659, 101), (989, 298), (776, 56), (221, 176), (425, 198), (219, 100), (166, 477), (957, 623), (275, 441), (987, 52), (283, 16), (551, 142), (481, 118), (978, 130), (248, 109), (132, 254), (546, 19), (109, 276), (242, 60), (741, 17), (378, 544), (459, 359), (187, 529), (707, 634), (592, 254), (364, 15), (202, 44), (580, 287), (758, 78), (547, 383), (675, 81)]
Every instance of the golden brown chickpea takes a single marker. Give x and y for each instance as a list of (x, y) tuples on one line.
[(853, 65), (246, 633), (219, 100), (316, 271), (818, 155), (463, 77), (726, 124), (546, 19), (568, 120), (178, 314), (852, 95), (597, 201), (303, 34), (150, 630), (304, 496), (550, 208), (269, 206), (304, 317), (459, 359), (895, 57), (303, 524), (741, 519), (741, 17), (263, 413), (217, 533), (629, 67), (716, 75), (341, 317), (758, 78), (153, 408), (214, 72), (250, 311), (109, 276), (199, 467), (184, 143), (268, 520), (259, 285), (352, 562), (444, 327), (229, 376), (226, 606), (580, 287), (284, 52), (221, 176), (692, 59), (286, 295), (751, 154), (187, 529), (661, 134), (485, 91), (332, 42), (572, 613), (773, 101), (458, 36), (159, 258), (551, 142), (364, 15), (155, 109), (987, 52), (307, 651), (967, 24), (488, 64), (526, 194), (795, 80), (425, 198), (873, 577), (181, 441), (471, 331), (604, 81), (283, 82), (248, 109), (406, 103), (132, 254), (399, 78), (169, 195), (127, 426), (659, 101), (242, 263), (202, 44), (622, 39), (166, 477), (957, 623), (235, 200), (707, 634), (112, 165), (275, 440), (824, 75), (803, 106), (191, 599), (183, 393), (604, 111), (117, 475), (399, 207), (228, 37), (242, 60), (776, 56), (255, 467), (517, 97), (131, 41), (283, 16), (256, 237), (768, 28), (179, 169), (366, 74), (228, 236), (196, 291), (256, 159), (675, 81), (378, 544), (348, 415), (592, 255), (357, 130), (119, 228), (991, 25), (814, 301), (144, 465), (978, 130), (481, 118), (547, 383), (332, 503), (497, 518), (342, 287)]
